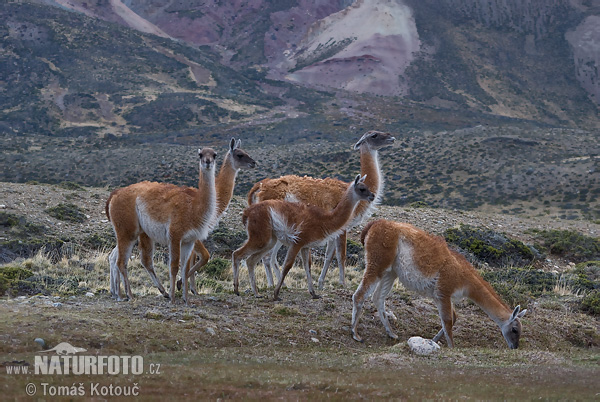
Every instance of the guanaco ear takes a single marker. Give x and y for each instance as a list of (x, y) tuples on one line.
[(238, 144), (356, 179), (232, 144), (361, 141), (515, 314), (199, 152)]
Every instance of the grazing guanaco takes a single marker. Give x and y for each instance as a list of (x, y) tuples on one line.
[(296, 225), (424, 263), (164, 213), (326, 193)]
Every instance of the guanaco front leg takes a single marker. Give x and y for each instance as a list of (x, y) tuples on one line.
[(287, 265), (448, 316), (305, 254), (367, 286)]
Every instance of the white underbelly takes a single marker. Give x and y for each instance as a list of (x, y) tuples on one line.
[(410, 275)]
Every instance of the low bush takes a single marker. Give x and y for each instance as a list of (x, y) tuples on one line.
[(569, 244), (67, 212), (491, 247)]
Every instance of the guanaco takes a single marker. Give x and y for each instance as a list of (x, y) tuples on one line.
[(296, 225), (326, 193), (164, 213), (424, 263)]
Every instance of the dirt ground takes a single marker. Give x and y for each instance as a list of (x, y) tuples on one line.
[(225, 346), (240, 347)]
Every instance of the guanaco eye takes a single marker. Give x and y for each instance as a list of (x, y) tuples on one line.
[(240, 156), (515, 331), (375, 135)]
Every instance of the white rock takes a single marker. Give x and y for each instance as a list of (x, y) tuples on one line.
[(89, 294), (211, 331), (422, 346)]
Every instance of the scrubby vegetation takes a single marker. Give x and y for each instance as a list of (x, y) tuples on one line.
[(569, 244), (67, 212), (489, 246)]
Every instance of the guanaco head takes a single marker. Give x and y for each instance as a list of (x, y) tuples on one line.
[(375, 140), (207, 158), (239, 157), (511, 329), (361, 189)]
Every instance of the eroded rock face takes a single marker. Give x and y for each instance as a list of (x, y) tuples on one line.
[(585, 43), (363, 48)]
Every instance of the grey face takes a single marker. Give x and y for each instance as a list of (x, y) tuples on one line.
[(363, 192), (512, 333), (375, 140), (207, 158), (242, 160)]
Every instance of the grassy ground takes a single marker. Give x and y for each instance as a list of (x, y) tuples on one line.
[(227, 346), (240, 347)]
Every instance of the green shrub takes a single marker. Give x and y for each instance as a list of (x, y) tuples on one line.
[(70, 185), (217, 268), (67, 213), (419, 204), (222, 240), (569, 244), (8, 220), (210, 283), (591, 303), (489, 246), (586, 276), (11, 279)]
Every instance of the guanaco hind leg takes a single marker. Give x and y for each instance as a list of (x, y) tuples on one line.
[(115, 275), (381, 292), (367, 286), (146, 247), (123, 254), (242, 253), (203, 257)]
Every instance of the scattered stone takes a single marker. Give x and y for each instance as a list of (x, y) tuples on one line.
[(312, 331), (40, 342), (211, 331), (422, 346), (90, 294), (57, 304), (315, 340)]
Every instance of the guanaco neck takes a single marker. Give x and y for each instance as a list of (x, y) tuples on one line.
[(482, 294), (369, 165), (206, 195), (338, 217), (225, 182)]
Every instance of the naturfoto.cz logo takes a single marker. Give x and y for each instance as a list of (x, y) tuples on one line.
[(67, 361)]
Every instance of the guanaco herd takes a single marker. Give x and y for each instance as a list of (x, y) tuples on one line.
[(300, 213)]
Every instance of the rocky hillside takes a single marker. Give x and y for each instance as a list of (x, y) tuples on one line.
[(110, 67)]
